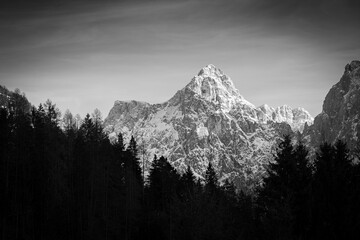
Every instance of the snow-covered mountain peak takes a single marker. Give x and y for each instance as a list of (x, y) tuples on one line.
[(211, 71), (207, 121), (215, 78), (213, 85)]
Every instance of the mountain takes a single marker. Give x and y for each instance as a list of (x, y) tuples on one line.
[(5, 96), (14, 100), (208, 120), (340, 116), (297, 118)]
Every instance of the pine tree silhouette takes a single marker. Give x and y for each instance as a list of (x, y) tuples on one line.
[(211, 180), (283, 199), (332, 193)]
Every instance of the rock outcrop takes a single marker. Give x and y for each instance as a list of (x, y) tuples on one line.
[(207, 121), (340, 117)]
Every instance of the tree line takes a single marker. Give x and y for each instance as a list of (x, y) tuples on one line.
[(66, 180)]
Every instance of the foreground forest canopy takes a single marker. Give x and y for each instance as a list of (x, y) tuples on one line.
[(66, 180)]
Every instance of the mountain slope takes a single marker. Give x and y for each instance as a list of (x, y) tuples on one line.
[(14, 100), (207, 120), (340, 117)]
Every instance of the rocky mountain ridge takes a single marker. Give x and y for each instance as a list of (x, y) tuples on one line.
[(208, 120), (340, 117)]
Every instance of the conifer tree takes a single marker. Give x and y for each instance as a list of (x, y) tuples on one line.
[(132, 148), (302, 192), (68, 120), (188, 179), (133, 190), (120, 142), (211, 181), (133, 163), (163, 181), (332, 192), (283, 198)]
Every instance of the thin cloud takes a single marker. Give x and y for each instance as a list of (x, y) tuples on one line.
[(256, 42)]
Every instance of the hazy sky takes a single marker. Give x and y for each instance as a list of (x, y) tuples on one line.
[(85, 55)]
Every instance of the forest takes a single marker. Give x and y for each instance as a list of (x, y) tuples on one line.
[(61, 178)]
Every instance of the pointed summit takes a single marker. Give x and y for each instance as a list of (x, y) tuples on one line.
[(207, 120), (210, 71), (213, 85)]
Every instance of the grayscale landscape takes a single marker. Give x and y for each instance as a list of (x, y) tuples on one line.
[(165, 119)]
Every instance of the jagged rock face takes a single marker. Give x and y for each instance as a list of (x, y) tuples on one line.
[(339, 118), (207, 121), (296, 118)]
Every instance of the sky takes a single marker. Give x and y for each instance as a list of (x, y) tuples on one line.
[(85, 54)]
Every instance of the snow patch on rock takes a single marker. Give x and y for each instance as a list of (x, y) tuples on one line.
[(207, 121), (202, 131)]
